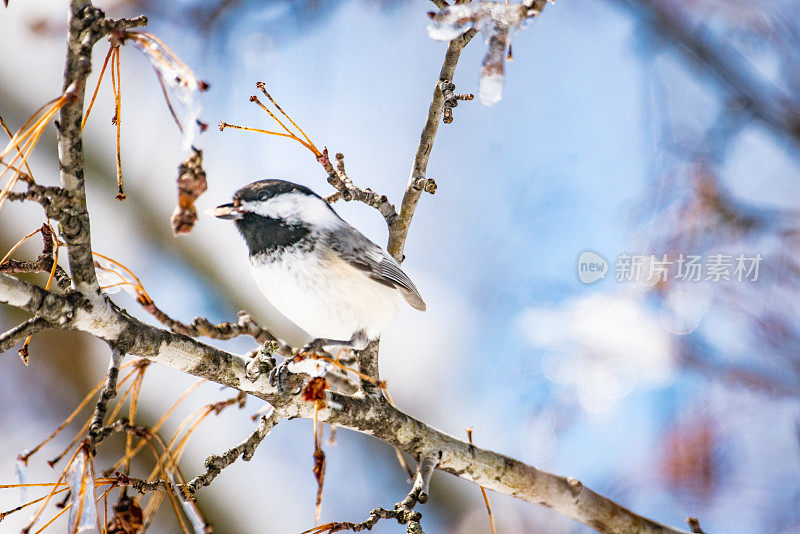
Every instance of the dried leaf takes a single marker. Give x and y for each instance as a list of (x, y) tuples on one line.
[(128, 517), (191, 184)]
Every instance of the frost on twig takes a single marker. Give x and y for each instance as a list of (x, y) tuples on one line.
[(499, 24)]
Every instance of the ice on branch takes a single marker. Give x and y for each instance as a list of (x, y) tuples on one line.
[(176, 79), (311, 367), (499, 24), (83, 512)]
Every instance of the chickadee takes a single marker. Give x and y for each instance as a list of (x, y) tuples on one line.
[(317, 270)]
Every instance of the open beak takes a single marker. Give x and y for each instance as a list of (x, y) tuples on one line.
[(226, 211)]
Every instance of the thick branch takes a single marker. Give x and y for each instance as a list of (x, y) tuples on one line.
[(417, 182), (87, 25), (370, 415)]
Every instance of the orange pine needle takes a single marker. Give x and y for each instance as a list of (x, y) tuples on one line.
[(52, 492), (10, 135), (97, 87), (289, 133), (19, 244), (137, 387), (22, 506), (224, 125), (82, 432), (118, 116), (158, 424), (75, 412), (261, 86), (30, 134)]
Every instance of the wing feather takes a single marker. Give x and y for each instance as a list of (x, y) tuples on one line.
[(383, 269)]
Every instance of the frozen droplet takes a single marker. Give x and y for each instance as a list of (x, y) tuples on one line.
[(498, 23), (444, 32), (198, 523), (452, 21), (80, 479), (491, 89), (21, 469)]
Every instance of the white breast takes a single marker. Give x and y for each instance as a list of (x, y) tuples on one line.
[(333, 301)]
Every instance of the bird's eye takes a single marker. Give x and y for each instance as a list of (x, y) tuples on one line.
[(263, 195)]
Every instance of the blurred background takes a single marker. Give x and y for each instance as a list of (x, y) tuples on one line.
[(627, 128)]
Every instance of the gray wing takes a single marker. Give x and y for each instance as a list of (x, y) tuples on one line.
[(366, 256), (388, 269)]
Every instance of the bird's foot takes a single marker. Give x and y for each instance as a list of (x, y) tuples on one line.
[(261, 362), (279, 377)]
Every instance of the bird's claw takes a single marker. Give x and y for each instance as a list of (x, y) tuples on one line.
[(279, 374), (261, 362)]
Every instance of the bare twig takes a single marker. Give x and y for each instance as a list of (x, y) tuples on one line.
[(217, 462), (43, 263), (694, 524), (346, 190), (106, 394), (246, 326), (403, 512), (21, 331), (398, 231)]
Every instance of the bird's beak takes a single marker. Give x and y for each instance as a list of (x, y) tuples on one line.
[(226, 211)]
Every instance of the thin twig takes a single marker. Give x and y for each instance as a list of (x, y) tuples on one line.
[(403, 511), (398, 231), (22, 331), (217, 462), (106, 394)]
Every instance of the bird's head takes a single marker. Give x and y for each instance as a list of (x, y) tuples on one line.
[(272, 213)]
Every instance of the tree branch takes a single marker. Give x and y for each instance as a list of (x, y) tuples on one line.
[(20, 332), (217, 462), (87, 25), (108, 392), (417, 182), (367, 414)]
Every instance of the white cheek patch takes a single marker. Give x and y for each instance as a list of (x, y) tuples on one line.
[(296, 208)]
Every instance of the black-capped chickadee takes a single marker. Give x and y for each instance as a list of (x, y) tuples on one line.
[(321, 273)]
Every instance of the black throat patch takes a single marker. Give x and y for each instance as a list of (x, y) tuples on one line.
[(264, 235)]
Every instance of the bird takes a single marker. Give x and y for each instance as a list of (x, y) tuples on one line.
[(320, 272)]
